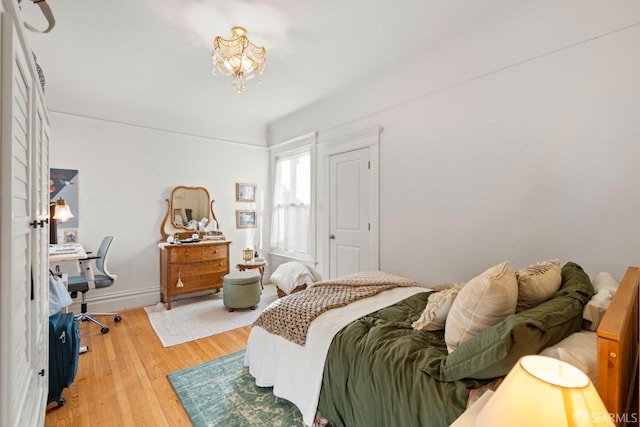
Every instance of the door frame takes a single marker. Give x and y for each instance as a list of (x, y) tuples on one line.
[(366, 138)]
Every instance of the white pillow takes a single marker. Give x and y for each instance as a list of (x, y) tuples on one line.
[(605, 281), (605, 286), (290, 275), (537, 283), (579, 349), (484, 301), (434, 316)]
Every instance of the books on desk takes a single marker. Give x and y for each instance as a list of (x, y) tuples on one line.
[(68, 252), (63, 249)]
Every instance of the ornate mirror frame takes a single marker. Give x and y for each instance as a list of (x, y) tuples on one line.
[(168, 226)]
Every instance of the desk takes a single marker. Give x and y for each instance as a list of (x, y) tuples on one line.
[(73, 252), (249, 265), (68, 252)]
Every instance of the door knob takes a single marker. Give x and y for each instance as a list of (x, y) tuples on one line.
[(332, 236)]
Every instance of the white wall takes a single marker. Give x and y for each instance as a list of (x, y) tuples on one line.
[(525, 161), (125, 175)]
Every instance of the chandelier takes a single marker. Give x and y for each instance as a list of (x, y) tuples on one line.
[(238, 58)]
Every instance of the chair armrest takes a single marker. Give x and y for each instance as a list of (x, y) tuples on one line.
[(87, 270)]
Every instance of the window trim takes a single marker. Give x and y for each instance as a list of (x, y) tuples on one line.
[(292, 147)]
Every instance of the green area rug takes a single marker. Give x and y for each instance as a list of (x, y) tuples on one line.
[(221, 392)]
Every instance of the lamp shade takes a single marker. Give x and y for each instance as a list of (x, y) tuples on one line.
[(542, 391), (62, 212)]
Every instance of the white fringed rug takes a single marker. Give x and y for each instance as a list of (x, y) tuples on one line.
[(198, 317)]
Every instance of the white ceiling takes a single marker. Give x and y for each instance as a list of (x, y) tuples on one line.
[(148, 62)]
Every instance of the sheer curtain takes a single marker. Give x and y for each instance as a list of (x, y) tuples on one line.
[(291, 215)]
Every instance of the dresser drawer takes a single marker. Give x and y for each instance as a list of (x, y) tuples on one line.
[(186, 253), (196, 268), (197, 283), (214, 251)]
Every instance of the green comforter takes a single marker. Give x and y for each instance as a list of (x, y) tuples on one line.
[(372, 375), (379, 371)]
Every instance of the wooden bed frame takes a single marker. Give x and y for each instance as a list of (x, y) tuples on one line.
[(618, 352)]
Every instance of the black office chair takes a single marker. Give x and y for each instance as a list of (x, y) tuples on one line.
[(102, 279)]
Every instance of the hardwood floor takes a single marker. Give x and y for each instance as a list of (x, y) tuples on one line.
[(122, 379)]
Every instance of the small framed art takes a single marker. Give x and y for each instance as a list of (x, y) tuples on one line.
[(70, 235), (245, 218), (245, 192)]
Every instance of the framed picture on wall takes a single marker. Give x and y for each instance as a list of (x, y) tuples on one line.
[(245, 218), (245, 192), (70, 235)]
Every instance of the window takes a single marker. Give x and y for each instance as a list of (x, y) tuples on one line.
[(291, 219)]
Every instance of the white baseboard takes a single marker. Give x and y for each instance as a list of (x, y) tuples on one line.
[(118, 301)]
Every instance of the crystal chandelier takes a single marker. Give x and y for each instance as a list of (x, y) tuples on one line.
[(238, 58)]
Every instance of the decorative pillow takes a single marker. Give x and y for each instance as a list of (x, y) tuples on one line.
[(289, 275), (484, 301), (435, 313), (605, 286), (579, 349), (537, 283), (493, 352)]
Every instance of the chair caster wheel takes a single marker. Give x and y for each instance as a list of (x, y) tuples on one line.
[(104, 330), (117, 318)]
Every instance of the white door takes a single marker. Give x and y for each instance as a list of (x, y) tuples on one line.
[(349, 213), (23, 235)]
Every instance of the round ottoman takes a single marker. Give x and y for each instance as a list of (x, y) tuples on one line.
[(241, 289)]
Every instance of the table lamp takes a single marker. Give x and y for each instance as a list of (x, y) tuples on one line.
[(58, 211), (62, 211), (542, 391)]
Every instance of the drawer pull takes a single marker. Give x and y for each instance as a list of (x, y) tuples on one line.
[(179, 284)]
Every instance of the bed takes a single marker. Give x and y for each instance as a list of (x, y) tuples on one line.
[(364, 364)]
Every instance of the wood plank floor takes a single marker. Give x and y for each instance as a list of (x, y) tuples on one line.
[(122, 379)]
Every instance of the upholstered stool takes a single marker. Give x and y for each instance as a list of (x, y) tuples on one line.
[(241, 289)]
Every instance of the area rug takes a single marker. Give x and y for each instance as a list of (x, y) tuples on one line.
[(221, 392), (198, 317)]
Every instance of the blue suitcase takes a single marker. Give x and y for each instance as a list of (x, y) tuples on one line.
[(64, 348)]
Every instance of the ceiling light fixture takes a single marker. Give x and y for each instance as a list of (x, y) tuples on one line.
[(238, 58)]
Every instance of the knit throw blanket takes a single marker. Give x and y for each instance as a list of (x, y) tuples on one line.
[(290, 316)]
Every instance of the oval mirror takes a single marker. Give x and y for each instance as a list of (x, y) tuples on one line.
[(189, 205)]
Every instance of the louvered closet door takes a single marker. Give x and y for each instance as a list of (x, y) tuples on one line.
[(39, 245), (23, 294)]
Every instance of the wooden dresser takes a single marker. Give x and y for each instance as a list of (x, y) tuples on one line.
[(192, 267)]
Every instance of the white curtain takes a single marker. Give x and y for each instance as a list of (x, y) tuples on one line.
[(291, 216)]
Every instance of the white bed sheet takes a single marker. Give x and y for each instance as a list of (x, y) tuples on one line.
[(294, 371)]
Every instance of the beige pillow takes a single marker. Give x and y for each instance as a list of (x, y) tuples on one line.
[(484, 301), (537, 283), (435, 313)]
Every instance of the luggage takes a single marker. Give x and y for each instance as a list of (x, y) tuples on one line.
[(64, 347)]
